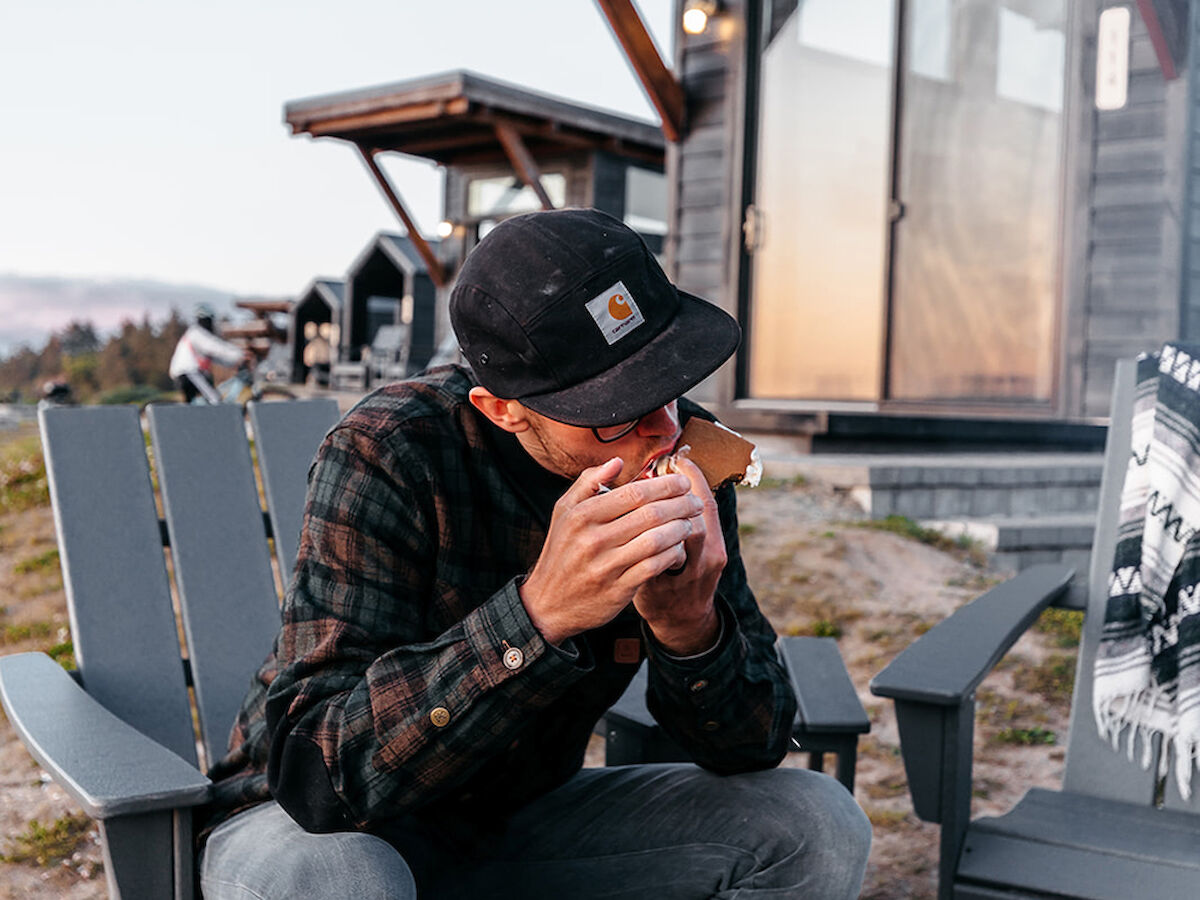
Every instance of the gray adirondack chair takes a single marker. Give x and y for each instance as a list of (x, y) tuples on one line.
[(118, 734), (1104, 835)]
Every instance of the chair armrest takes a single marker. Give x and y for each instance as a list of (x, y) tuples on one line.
[(933, 685), (107, 766), (825, 695), (946, 664)]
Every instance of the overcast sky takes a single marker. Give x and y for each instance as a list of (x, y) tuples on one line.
[(145, 139)]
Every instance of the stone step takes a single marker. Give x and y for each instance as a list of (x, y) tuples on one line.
[(1016, 543), (951, 485)]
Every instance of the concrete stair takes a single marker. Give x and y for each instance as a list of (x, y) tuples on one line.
[(1024, 508)]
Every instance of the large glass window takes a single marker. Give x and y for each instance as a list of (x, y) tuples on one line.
[(506, 195), (904, 227), (976, 253), (646, 201)]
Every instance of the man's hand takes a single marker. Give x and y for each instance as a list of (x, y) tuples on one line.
[(603, 547), (679, 608)]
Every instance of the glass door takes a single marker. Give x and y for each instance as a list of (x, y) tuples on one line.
[(818, 228), (975, 253), (903, 240)]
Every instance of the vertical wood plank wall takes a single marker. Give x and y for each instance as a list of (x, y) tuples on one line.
[(703, 172), (1135, 230)]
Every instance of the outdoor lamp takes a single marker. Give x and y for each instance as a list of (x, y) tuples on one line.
[(696, 14), (445, 228)]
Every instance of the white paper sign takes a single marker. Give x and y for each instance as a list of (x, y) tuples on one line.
[(1112, 58)]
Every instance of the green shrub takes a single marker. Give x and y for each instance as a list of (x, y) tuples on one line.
[(134, 393)]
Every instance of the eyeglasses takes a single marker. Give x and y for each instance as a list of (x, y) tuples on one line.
[(606, 434)]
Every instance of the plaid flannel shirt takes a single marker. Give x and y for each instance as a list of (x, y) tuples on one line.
[(387, 692)]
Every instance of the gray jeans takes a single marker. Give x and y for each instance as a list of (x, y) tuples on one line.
[(667, 832)]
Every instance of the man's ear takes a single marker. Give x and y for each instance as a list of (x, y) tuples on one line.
[(507, 414)]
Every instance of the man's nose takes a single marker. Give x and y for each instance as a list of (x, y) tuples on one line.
[(664, 421)]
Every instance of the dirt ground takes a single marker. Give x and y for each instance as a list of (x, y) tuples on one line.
[(814, 570)]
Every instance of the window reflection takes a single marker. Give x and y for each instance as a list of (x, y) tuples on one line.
[(816, 321), (975, 256), (507, 194)]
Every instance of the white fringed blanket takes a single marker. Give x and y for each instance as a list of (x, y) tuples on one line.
[(1147, 673)]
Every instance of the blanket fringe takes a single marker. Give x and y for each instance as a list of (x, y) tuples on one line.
[(1141, 716)]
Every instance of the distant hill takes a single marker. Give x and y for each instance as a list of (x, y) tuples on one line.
[(32, 307)]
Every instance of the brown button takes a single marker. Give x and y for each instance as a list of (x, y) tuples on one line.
[(699, 685), (710, 725), (440, 717), (513, 658)]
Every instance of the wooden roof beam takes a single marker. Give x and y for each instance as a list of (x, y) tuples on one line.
[(1158, 37), (434, 266), (659, 82), (522, 161)]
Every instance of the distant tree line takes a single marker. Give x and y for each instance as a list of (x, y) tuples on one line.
[(130, 366)]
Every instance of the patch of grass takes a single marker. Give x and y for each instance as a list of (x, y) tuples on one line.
[(1026, 736), (873, 748), (64, 654), (136, 394), (23, 482), (825, 628), (895, 786), (768, 482), (1063, 626), (1052, 680), (907, 528), (40, 563), (886, 818), (45, 846), (746, 528), (16, 634)]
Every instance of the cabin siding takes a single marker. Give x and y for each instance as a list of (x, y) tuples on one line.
[(1135, 233)]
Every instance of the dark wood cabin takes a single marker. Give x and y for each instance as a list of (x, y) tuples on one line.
[(316, 317)]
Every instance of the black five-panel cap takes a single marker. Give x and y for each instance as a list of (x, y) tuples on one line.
[(569, 312)]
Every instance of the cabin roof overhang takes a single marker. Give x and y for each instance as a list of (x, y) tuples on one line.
[(452, 119)]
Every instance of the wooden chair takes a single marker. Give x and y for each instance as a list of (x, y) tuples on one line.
[(118, 734), (1105, 835)]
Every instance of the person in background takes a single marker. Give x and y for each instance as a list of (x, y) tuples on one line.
[(197, 350)]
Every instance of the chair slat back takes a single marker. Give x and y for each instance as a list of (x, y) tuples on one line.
[(227, 594), (287, 436), (114, 573), (1092, 766)]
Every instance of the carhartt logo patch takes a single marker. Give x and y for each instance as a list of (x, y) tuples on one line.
[(615, 312)]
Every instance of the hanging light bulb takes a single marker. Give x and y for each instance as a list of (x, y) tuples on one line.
[(696, 14)]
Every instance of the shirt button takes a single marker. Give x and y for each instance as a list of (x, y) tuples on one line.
[(440, 717), (699, 685), (513, 658), (711, 725)]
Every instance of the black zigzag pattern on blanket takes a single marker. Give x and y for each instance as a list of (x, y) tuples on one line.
[(1173, 524)]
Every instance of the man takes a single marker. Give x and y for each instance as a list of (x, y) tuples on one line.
[(196, 351), (480, 574)]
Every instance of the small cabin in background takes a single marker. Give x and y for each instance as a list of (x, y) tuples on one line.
[(314, 329)]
